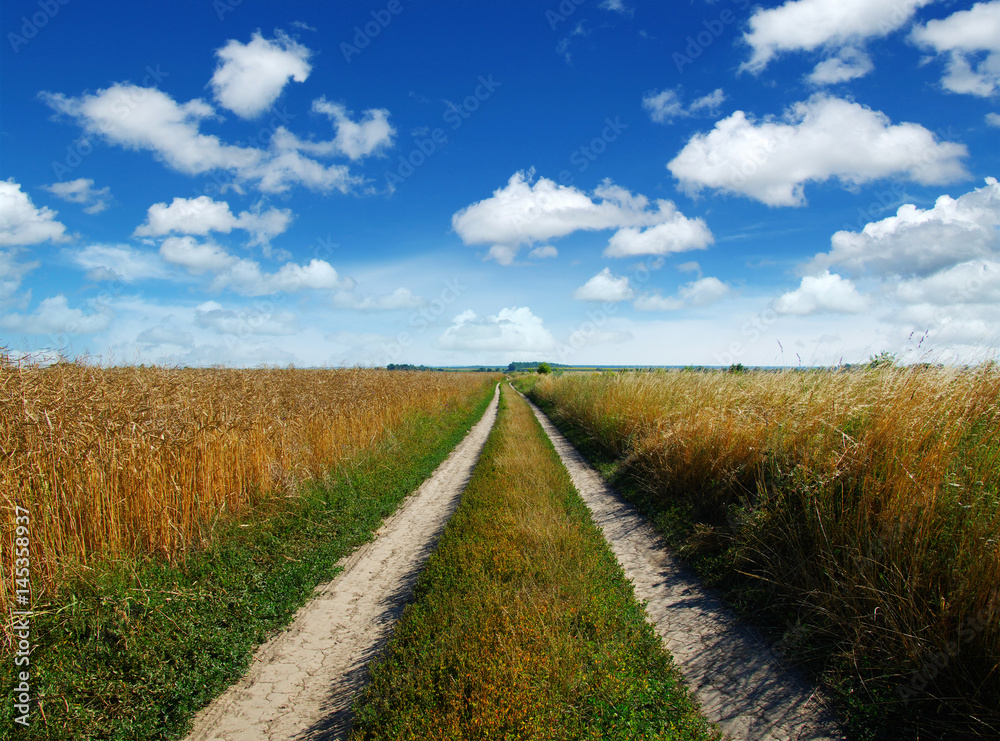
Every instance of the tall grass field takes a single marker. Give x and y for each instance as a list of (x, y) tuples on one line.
[(854, 514)]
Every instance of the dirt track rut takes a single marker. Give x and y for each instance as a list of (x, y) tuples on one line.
[(739, 682), (302, 682)]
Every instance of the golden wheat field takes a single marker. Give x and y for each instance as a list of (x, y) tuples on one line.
[(147, 460), (869, 500)]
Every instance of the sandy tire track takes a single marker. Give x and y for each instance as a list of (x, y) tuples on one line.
[(741, 685), (302, 682)]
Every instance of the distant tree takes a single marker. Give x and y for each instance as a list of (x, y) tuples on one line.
[(512, 367), (884, 359), (544, 368), (737, 368)]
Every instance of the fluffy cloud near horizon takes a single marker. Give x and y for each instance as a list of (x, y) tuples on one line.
[(833, 25), (964, 36), (250, 77), (816, 140), (701, 292), (515, 329), (605, 287), (54, 316), (523, 213), (824, 293)]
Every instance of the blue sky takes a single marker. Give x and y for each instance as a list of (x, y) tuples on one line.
[(614, 182)]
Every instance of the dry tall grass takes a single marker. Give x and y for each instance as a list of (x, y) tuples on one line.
[(114, 462), (868, 500)]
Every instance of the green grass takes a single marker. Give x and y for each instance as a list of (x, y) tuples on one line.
[(134, 649), (524, 625)]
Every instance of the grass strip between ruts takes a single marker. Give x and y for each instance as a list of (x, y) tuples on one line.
[(133, 650), (524, 624)]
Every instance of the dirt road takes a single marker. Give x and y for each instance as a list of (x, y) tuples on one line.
[(302, 682), (740, 684)]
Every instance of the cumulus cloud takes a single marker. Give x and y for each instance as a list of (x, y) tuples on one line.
[(23, 224), (919, 242), (701, 292), (523, 213), (808, 25), (12, 272), (54, 316), (848, 64), (194, 256), (970, 39), (605, 287), (510, 330), (82, 191), (211, 315), (246, 278), (677, 234), (250, 77), (146, 119), (202, 215), (993, 119), (666, 105), (356, 139), (823, 293), (820, 139)]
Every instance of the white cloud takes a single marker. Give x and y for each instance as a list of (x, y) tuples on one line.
[(826, 292), (701, 292), (401, 298), (848, 64), (666, 105), (616, 6), (146, 119), (919, 242), (54, 316), (807, 25), (356, 139), (972, 282), (816, 140), (522, 213), (678, 234), (993, 119), (543, 252), (202, 215), (971, 39), (116, 262), (605, 287), (196, 257), (247, 279), (21, 223), (211, 315), (250, 77), (82, 191), (512, 330)]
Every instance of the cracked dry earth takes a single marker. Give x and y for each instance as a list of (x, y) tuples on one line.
[(302, 683)]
